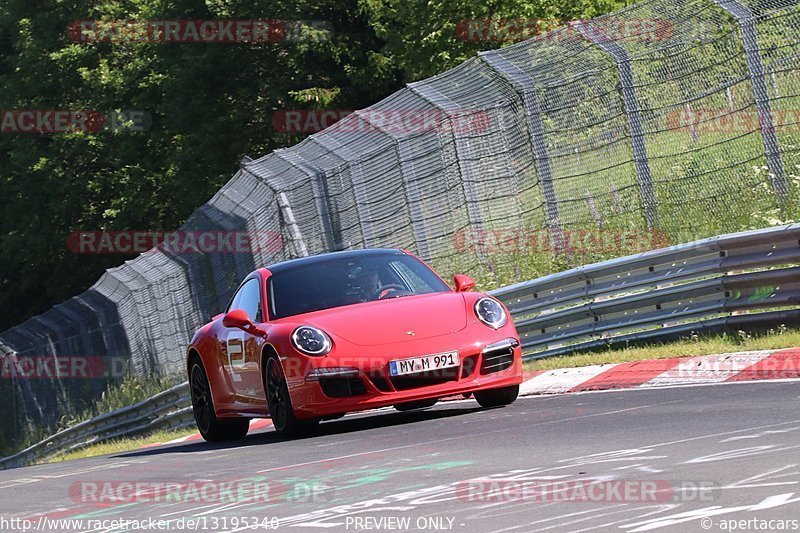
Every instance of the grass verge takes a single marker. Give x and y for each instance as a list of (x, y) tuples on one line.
[(689, 347), (117, 446)]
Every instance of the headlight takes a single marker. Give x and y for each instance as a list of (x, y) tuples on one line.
[(491, 313), (311, 340)]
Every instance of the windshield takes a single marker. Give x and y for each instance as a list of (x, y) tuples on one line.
[(349, 281)]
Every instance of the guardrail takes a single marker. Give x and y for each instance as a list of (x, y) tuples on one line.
[(699, 286), (170, 409), (712, 284)]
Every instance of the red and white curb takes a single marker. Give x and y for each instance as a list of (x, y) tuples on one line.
[(739, 366)]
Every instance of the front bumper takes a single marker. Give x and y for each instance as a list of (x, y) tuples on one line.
[(485, 364)]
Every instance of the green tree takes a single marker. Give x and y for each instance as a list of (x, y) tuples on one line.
[(424, 38), (209, 104)]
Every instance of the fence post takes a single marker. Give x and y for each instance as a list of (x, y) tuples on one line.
[(413, 196), (755, 68), (523, 84), (291, 222), (448, 106), (332, 236), (692, 123), (359, 186), (631, 102)]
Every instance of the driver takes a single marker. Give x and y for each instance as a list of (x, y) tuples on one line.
[(370, 283)]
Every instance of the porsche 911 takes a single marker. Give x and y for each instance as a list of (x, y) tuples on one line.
[(311, 339)]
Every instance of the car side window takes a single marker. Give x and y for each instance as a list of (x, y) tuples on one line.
[(249, 299), (234, 301)]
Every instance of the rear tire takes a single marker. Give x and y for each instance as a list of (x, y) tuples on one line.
[(410, 406), (497, 397), (280, 404), (212, 429)]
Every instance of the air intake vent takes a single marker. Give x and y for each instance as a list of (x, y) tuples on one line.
[(497, 360), (342, 387)]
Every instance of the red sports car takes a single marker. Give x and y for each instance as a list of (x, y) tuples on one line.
[(314, 338)]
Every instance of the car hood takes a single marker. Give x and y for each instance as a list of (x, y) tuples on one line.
[(394, 320)]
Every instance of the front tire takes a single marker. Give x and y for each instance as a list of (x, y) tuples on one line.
[(497, 397), (280, 404), (212, 429)]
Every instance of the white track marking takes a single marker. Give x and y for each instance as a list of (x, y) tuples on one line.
[(708, 369), (558, 381), (460, 437)]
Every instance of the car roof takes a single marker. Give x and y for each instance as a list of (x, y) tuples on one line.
[(321, 258)]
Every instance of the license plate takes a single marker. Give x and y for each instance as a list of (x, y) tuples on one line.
[(425, 363)]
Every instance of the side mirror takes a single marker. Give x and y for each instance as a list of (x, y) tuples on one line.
[(463, 283), (237, 318)]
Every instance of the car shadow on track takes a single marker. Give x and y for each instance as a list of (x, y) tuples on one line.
[(344, 425)]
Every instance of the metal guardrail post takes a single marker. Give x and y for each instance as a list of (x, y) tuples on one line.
[(631, 102), (524, 85), (331, 234), (747, 25)]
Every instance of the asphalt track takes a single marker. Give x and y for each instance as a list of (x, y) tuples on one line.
[(697, 458)]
